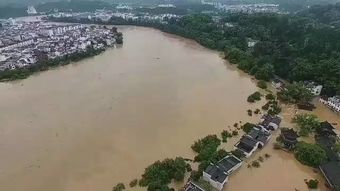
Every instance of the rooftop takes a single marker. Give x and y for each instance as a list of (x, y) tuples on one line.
[(271, 119), (326, 129), (331, 172), (228, 162), (217, 174), (246, 143), (259, 135), (289, 134)]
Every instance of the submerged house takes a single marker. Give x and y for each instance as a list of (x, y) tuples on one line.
[(326, 129), (262, 136), (247, 145), (270, 122), (217, 174), (331, 172), (289, 138)]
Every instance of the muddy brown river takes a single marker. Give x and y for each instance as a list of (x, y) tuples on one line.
[(89, 125)]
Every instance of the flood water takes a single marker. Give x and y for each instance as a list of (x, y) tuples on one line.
[(89, 125)]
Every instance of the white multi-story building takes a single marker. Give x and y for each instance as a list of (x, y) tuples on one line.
[(334, 103)]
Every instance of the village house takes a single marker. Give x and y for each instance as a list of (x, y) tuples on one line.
[(270, 122), (326, 129), (217, 174), (247, 145), (331, 172), (333, 102), (289, 138), (261, 135)]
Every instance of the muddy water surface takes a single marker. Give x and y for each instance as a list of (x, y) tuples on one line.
[(101, 121)]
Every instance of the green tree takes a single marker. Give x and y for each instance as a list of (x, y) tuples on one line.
[(158, 175), (247, 127), (310, 154), (262, 84), (307, 123), (254, 97), (296, 93), (119, 187), (133, 183)]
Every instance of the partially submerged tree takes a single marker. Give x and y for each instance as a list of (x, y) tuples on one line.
[(119, 187), (307, 123), (158, 175), (310, 154), (247, 127), (295, 93)]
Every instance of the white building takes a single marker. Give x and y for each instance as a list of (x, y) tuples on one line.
[(313, 87), (334, 103), (270, 122)]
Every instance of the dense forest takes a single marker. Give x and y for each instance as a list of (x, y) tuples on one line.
[(327, 14), (294, 48)]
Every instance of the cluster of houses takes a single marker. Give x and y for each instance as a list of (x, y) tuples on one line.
[(161, 18), (243, 8), (327, 136), (105, 16), (332, 102), (218, 174), (102, 15), (25, 43)]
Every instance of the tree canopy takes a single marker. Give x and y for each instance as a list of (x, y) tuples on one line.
[(307, 123), (157, 176), (310, 154)]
